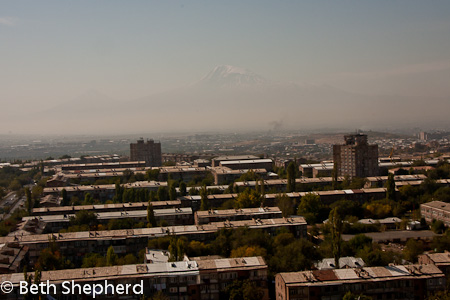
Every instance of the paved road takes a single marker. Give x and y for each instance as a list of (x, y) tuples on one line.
[(8, 199), (395, 235), (16, 206), (11, 200)]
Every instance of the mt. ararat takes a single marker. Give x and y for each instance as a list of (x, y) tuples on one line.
[(230, 76), (232, 98)]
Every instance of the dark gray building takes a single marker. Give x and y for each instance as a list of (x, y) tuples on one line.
[(149, 151)]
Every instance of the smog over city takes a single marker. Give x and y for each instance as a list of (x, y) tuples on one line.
[(115, 68), (239, 150)]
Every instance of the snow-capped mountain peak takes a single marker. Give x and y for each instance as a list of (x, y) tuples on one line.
[(231, 76)]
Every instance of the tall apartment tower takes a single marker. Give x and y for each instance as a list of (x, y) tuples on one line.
[(356, 158), (149, 151)]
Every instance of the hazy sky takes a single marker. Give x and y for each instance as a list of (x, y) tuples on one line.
[(53, 51)]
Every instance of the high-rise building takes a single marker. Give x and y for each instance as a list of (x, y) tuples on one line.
[(356, 158), (149, 151), (423, 136)]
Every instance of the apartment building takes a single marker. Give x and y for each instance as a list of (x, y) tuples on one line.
[(213, 215), (13, 257), (440, 260), (149, 151), (170, 216), (181, 280), (408, 282), (102, 166), (215, 162), (74, 245), (356, 158), (98, 208), (436, 210), (224, 175), (102, 192)]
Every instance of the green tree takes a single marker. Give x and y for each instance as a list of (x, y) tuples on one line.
[(248, 198), (88, 199), (441, 243), (336, 232), (390, 187), (111, 257), (182, 188), (334, 175), (65, 198), (177, 249), (358, 242), (348, 208), (118, 197), (181, 249), (28, 280), (292, 255), (29, 201), (152, 174), (249, 176), (310, 207), (285, 204), (84, 217), (242, 290), (172, 192), (248, 251), (152, 196), (262, 188), (151, 216), (204, 204), (159, 296), (412, 249), (51, 259), (291, 178), (196, 248), (128, 175), (162, 194), (438, 226), (92, 260)]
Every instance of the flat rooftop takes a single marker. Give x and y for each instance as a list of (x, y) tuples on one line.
[(115, 206), (339, 276), (178, 268), (154, 231), (115, 215), (242, 211)]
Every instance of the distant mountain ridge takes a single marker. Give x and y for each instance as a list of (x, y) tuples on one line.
[(234, 98), (231, 76)]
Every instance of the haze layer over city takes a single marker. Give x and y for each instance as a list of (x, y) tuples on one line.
[(200, 66), (225, 150)]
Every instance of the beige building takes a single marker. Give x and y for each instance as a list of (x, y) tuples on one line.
[(74, 245), (214, 215), (436, 210), (408, 282), (182, 280), (440, 260)]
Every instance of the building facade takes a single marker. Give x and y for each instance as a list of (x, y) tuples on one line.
[(149, 151), (356, 158), (440, 260), (181, 280), (409, 282), (436, 210)]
